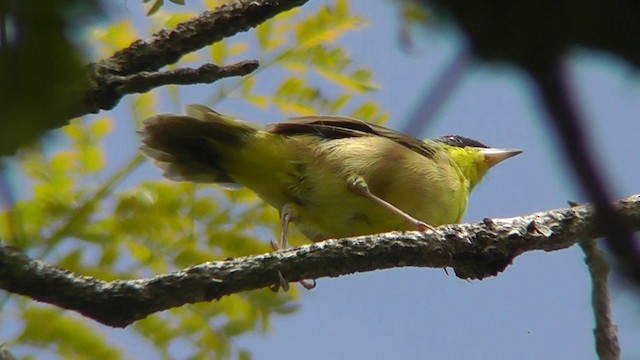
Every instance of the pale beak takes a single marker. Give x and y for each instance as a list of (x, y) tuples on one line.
[(494, 156)]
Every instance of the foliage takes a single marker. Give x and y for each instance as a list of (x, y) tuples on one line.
[(81, 215)]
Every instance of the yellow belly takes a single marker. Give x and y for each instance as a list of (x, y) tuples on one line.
[(311, 175)]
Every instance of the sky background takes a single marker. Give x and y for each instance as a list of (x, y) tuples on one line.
[(539, 308)]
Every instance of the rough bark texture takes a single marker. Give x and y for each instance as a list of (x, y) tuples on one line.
[(606, 331), (135, 68), (474, 250)]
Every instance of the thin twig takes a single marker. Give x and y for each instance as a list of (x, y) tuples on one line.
[(605, 332), (206, 74)]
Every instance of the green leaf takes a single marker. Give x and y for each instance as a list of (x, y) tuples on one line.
[(244, 354), (156, 329), (71, 337), (93, 159), (263, 34), (369, 111), (339, 103), (219, 52), (359, 81), (327, 26), (101, 127), (155, 7), (74, 130)]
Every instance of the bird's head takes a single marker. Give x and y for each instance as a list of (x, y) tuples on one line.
[(473, 157)]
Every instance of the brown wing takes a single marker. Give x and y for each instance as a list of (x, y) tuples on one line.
[(337, 127)]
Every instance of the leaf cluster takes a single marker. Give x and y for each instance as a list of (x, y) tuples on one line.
[(81, 215)]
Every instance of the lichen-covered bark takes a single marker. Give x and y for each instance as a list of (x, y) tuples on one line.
[(474, 250)]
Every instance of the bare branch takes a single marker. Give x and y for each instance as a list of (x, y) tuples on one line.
[(208, 73), (605, 332), (474, 250), (167, 46), (555, 94)]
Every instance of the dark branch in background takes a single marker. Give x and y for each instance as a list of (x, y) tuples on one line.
[(474, 250), (605, 332), (523, 33), (439, 92), (168, 46), (555, 93)]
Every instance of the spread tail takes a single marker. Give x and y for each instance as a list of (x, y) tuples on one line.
[(194, 147)]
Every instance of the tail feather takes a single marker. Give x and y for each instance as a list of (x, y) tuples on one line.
[(190, 147)]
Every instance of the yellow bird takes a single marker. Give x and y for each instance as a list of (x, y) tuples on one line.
[(331, 176)]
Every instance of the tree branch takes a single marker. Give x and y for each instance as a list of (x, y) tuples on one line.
[(606, 331), (438, 94), (555, 94), (474, 250), (105, 78), (208, 73)]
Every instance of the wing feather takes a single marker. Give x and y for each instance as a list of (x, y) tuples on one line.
[(339, 127)]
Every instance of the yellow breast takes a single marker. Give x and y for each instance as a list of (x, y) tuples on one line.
[(314, 179)]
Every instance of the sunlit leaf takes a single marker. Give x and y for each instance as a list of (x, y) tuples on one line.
[(73, 338), (212, 4), (101, 127), (327, 26), (138, 251), (259, 101), (144, 105), (238, 48), (155, 7), (171, 20), (263, 35), (219, 52), (369, 111), (93, 159), (133, 228), (116, 36), (357, 82), (74, 130)]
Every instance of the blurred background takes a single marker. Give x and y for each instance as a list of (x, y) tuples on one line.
[(138, 224)]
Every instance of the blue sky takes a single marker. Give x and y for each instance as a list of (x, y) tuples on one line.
[(540, 306)]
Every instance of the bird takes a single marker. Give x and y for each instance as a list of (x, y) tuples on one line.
[(331, 176)]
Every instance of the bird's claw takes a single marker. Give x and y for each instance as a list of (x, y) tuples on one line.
[(282, 283)]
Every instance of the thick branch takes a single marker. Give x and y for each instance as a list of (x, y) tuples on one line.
[(474, 250), (168, 46)]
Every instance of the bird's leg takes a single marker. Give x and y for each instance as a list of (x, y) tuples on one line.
[(287, 214), (359, 186)]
